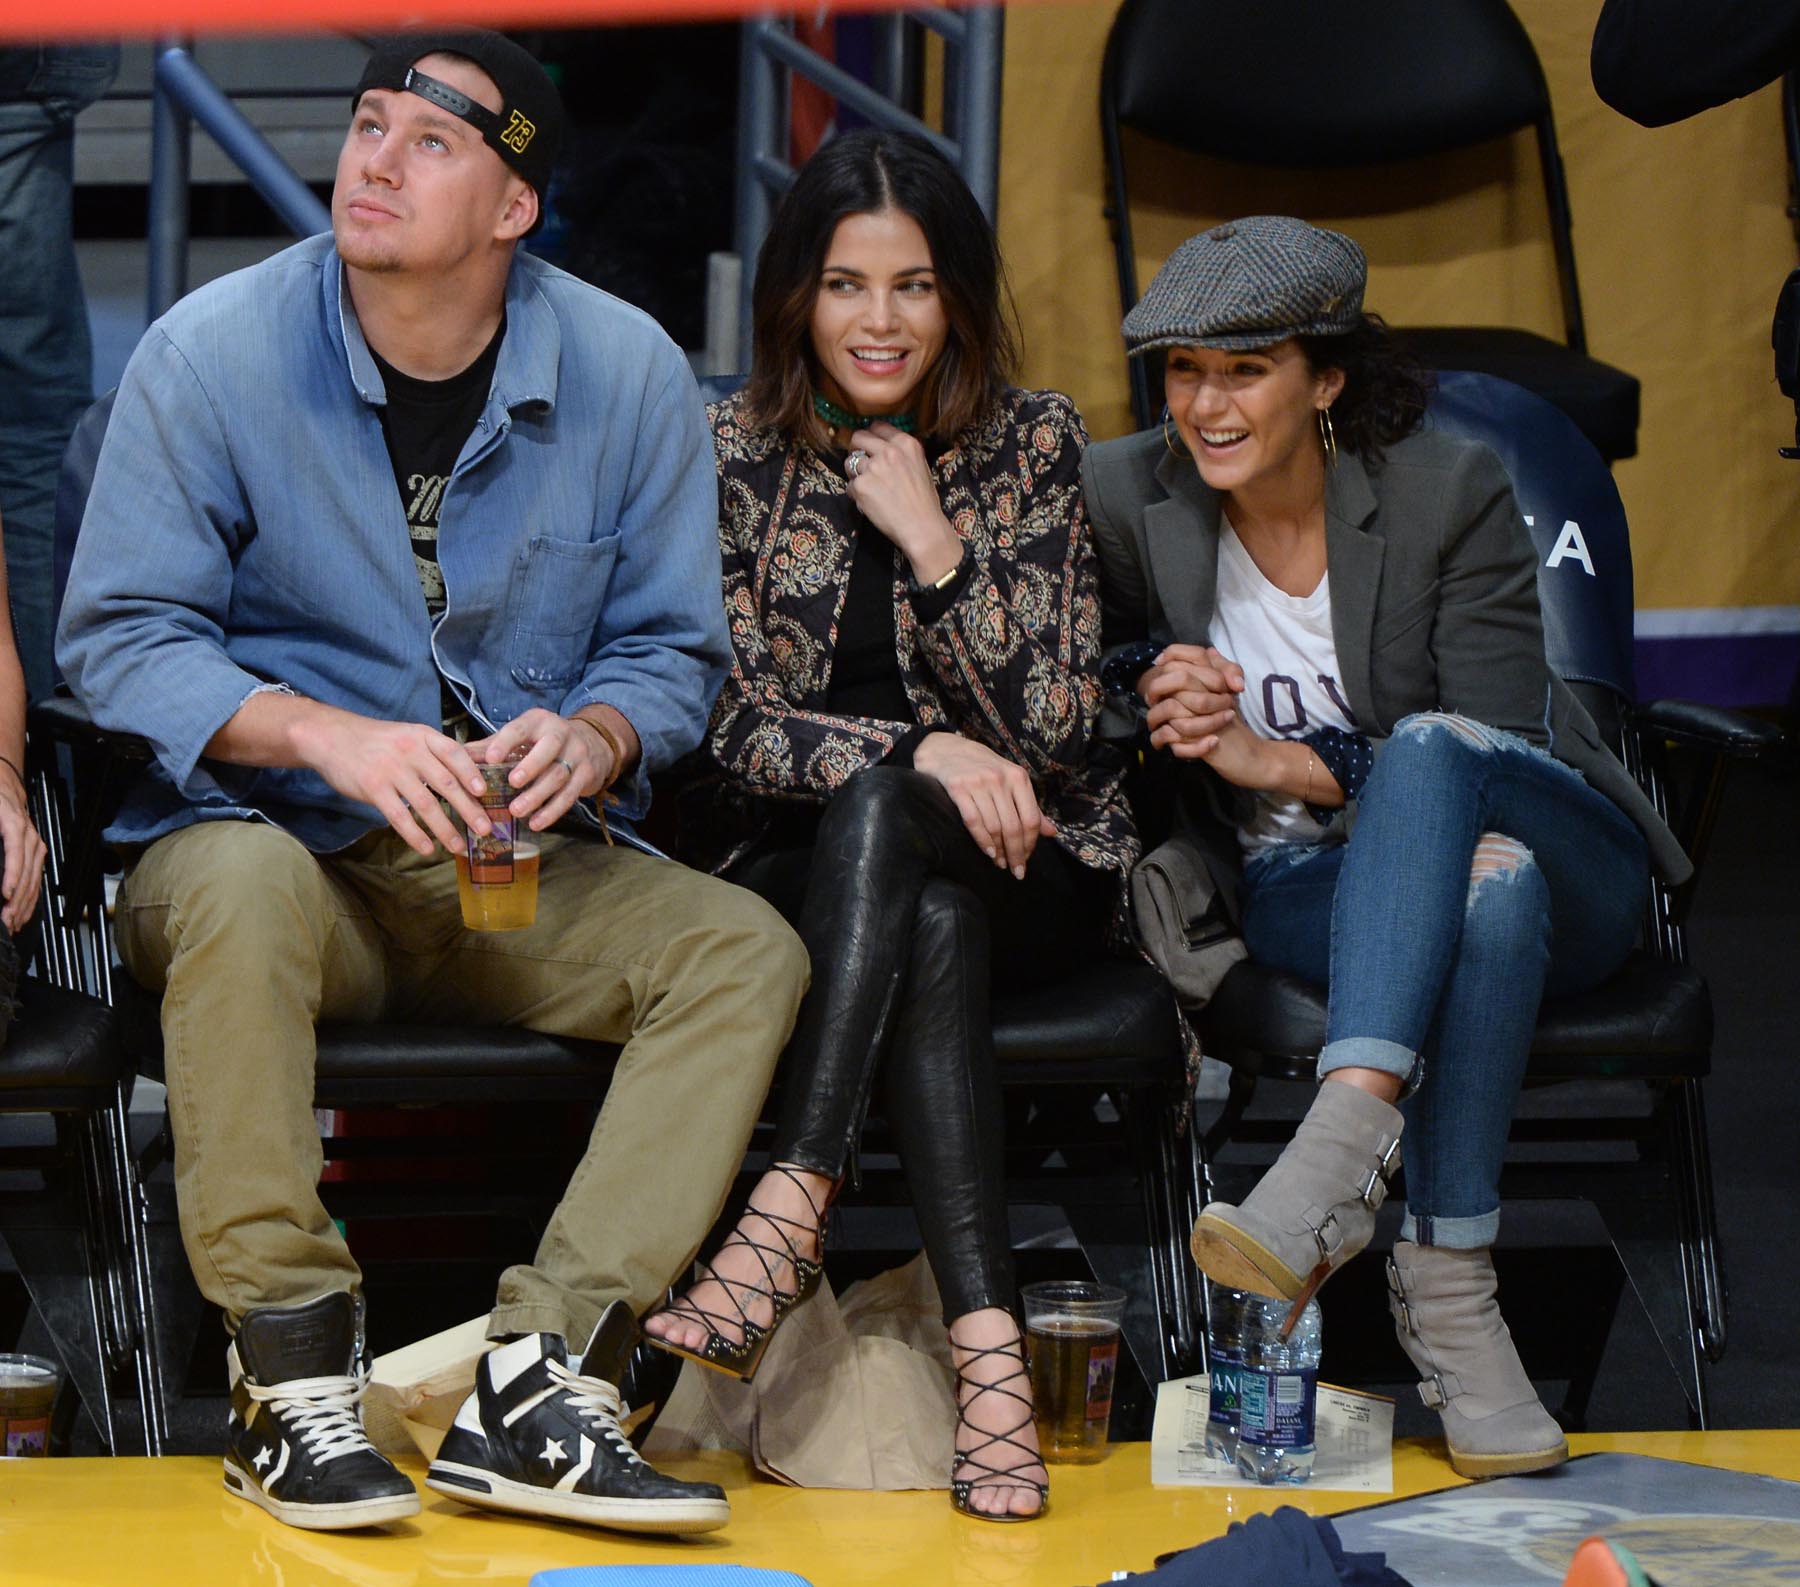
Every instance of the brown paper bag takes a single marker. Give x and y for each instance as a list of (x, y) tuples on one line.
[(852, 1393), (416, 1391)]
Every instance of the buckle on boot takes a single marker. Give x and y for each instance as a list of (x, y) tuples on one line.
[(1327, 1250), (1375, 1191), (1440, 1389), (1399, 1308)]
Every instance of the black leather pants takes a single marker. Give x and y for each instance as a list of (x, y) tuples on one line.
[(908, 923)]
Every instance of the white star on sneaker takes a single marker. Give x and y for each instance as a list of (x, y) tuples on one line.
[(263, 1457), (552, 1452)]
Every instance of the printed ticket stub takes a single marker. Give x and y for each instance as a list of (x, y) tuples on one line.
[(1354, 1433)]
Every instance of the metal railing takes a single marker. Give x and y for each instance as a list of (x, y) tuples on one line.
[(771, 57), (184, 97)]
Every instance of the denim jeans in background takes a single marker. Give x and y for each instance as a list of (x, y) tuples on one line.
[(1423, 962), (46, 375)]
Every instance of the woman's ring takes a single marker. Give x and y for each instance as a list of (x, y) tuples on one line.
[(568, 768), (854, 462)]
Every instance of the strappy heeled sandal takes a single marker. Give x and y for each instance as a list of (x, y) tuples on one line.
[(991, 1477), (741, 1357)]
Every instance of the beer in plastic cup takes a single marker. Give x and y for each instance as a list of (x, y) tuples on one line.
[(1072, 1337), (28, 1386), (497, 875)]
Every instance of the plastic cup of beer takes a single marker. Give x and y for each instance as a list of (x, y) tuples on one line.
[(1072, 1336), (28, 1386), (497, 875)]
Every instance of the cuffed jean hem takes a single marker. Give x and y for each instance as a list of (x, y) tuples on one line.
[(1373, 1052), (1452, 1234)]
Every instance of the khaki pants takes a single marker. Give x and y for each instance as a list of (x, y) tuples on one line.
[(252, 939)]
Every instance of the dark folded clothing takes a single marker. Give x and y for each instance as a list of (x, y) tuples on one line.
[(1286, 1549)]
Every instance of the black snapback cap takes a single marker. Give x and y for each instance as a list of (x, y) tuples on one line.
[(525, 132)]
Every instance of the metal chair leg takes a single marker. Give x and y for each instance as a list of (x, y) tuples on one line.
[(132, 1211), (1690, 1166), (1168, 1170), (98, 1253), (1152, 1186)]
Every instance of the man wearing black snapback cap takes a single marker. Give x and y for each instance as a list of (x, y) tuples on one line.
[(525, 129), (397, 503)]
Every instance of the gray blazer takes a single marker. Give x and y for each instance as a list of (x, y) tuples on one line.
[(1434, 601)]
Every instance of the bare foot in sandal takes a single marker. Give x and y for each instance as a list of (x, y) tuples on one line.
[(768, 1264), (998, 1473)]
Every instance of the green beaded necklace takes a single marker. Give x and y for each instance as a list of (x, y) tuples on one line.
[(842, 419)]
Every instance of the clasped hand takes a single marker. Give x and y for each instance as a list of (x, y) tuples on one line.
[(405, 769), (1192, 692), (993, 795)]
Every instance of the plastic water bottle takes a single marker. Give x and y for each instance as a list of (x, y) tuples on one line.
[(1224, 1360), (1278, 1388)]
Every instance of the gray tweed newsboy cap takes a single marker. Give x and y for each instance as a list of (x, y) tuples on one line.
[(1251, 283)]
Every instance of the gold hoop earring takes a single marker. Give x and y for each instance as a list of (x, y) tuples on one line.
[(1169, 438), (1328, 437)]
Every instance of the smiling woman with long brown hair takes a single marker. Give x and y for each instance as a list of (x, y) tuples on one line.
[(901, 747)]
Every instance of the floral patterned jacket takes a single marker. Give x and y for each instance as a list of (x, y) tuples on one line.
[(1014, 662)]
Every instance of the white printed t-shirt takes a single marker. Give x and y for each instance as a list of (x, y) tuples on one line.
[(1283, 642)]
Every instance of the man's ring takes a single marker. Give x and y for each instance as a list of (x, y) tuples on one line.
[(854, 462), (568, 768)]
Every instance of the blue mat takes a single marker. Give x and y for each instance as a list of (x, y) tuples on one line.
[(1689, 1526)]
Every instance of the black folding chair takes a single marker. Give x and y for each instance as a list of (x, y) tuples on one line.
[(1295, 86), (72, 1211)]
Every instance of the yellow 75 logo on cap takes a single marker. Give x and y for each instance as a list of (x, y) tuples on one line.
[(519, 133)]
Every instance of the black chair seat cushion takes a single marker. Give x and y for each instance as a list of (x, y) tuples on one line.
[(1652, 1020), (1114, 1023), (375, 1064), (62, 1049), (1602, 401)]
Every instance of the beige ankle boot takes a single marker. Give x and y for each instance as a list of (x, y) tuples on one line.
[(1314, 1209), (1449, 1323)]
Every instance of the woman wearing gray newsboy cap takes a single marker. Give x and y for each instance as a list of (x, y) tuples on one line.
[(1320, 611)]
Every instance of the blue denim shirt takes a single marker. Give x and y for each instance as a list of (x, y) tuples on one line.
[(244, 533)]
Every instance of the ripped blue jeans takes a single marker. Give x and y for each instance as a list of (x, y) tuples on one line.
[(1480, 874)]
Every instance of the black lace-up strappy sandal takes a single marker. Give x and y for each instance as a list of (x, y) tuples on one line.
[(973, 1467), (740, 1357)]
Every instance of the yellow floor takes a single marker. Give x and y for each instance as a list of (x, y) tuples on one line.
[(170, 1521)]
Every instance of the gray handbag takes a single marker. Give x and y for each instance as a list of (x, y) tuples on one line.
[(1182, 922)]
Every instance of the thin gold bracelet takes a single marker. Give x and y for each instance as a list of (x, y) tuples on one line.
[(1306, 798), (13, 769), (945, 582)]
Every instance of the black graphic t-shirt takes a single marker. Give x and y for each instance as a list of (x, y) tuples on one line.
[(425, 424)]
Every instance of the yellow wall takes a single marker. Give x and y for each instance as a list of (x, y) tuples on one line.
[(1681, 244)]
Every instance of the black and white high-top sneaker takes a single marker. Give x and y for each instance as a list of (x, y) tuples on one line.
[(538, 1437), (297, 1445)]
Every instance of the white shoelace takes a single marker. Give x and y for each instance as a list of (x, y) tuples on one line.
[(598, 1402), (322, 1411)]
